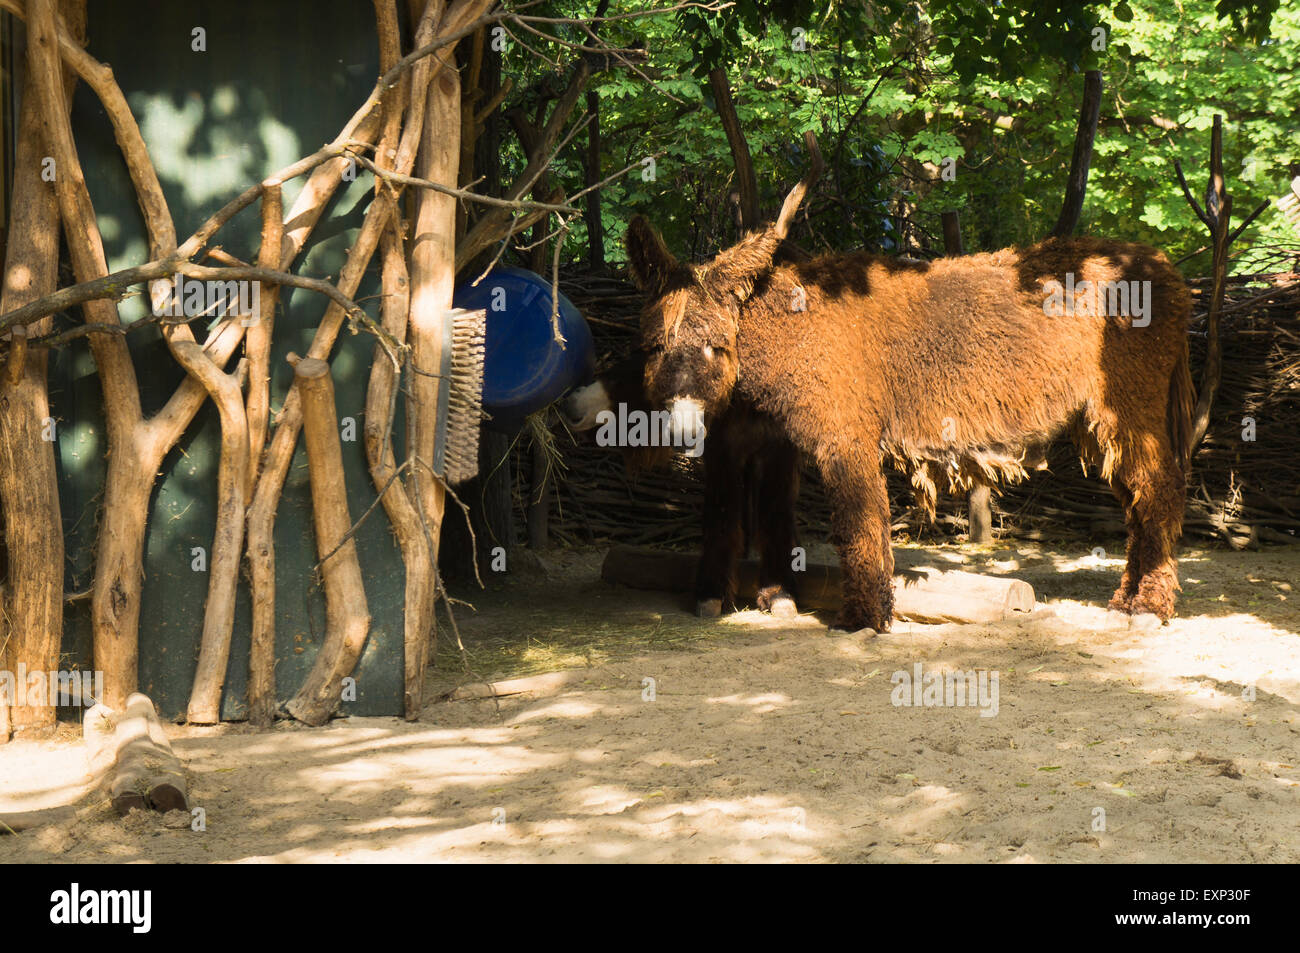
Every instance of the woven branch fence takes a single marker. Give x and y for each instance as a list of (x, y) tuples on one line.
[(1244, 487)]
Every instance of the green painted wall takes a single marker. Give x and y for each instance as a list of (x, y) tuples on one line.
[(276, 81)]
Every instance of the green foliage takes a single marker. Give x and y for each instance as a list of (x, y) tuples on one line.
[(898, 91)]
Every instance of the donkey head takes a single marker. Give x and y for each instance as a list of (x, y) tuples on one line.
[(692, 316)]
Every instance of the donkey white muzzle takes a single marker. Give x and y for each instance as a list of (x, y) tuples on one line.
[(686, 425)]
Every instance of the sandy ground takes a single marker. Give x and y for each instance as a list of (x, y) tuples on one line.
[(762, 741)]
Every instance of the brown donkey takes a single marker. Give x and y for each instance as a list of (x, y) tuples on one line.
[(949, 370)]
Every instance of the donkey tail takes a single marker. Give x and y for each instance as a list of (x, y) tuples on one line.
[(1181, 408)]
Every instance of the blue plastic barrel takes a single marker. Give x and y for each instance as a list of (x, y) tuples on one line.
[(524, 369)]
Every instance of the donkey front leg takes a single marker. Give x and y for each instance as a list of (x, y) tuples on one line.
[(860, 524), (724, 533), (778, 493)]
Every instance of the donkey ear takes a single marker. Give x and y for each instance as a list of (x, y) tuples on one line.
[(736, 269), (648, 257)]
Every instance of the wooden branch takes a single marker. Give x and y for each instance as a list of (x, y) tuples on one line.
[(746, 180), (952, 243), (257, 340), (16, 823), (115, 605), (1236, 232), (432, 276), (462, 194), (347, 618), (1187, 194), (1076, 185), (592, 211), (1217, 215), (32, 600), (498, 223), (408, 526), (270, 484), (228, 539)]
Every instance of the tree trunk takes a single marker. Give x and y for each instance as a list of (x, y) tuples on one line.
[(421, 594), (539, 500), (595, 224), (432, 275), (746, 180), (1217, 217), (29, 490), (228, 538), (1077, 185)]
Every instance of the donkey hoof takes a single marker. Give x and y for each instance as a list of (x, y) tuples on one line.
[(1145, 622), (709, 608), (783, 607), (1116, 621), (835, 632)]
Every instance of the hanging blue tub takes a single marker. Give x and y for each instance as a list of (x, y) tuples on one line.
[(524, 369)]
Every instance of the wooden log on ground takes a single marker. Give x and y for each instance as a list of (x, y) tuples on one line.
[(347, 619), (130, 751), (30, 820), (922, 593), (980, 512)]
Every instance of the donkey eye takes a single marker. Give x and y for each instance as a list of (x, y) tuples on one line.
[(708, 352)]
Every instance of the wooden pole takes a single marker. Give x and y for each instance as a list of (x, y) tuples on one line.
[(347, 619), (1216, 216), (979, 510), (415, 543), (539, 501), (29, 495), (432, 274)]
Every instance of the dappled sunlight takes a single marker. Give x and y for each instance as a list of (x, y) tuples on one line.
[(759, 704), (563, 708), (38, 774), (921, 809), (753, 618), (775, 742)]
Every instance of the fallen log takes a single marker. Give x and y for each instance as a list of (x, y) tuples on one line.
[(130, 751), (29, 820), (922, 593)]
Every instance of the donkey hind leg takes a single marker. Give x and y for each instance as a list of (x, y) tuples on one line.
[(724, 533), (860, 524), (1122, 600), (1155, 484), (778, 489)]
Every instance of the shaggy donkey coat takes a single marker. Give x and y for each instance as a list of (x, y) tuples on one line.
[(751, 482), (948, 370)]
